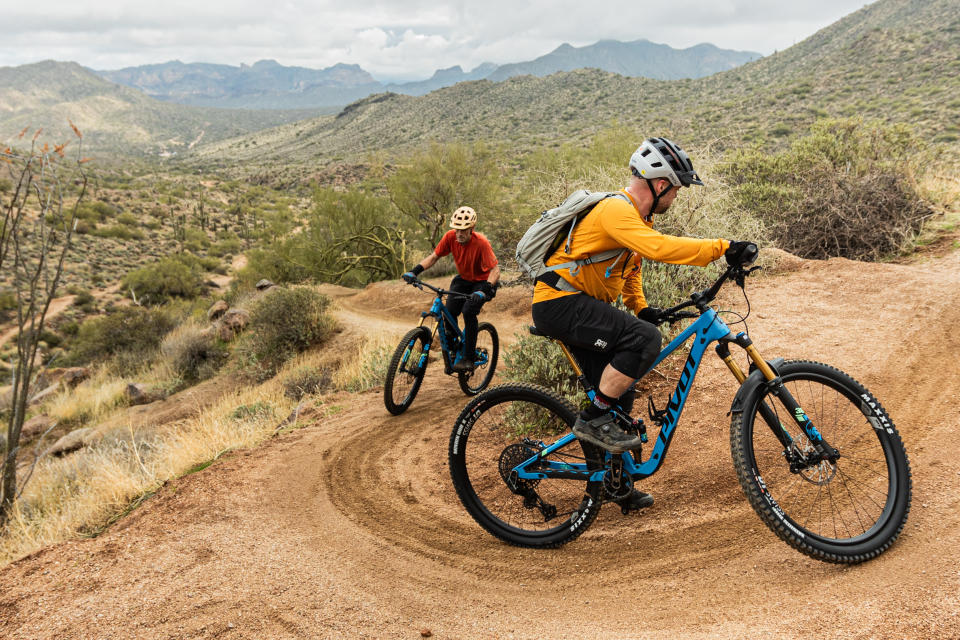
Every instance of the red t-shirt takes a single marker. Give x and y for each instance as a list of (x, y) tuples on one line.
[(474, 260)]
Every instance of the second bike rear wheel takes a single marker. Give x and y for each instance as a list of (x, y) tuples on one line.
[(487, 353), (498, 430), (407, 368), (846, 511)]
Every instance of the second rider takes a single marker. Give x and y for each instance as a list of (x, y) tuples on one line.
[(478, 274)]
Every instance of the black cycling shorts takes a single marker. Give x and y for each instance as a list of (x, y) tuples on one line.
[(599, 334)]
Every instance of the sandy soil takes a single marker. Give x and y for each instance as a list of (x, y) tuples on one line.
[(349, 527)]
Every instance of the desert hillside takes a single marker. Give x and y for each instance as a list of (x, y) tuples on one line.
[(347, 525)]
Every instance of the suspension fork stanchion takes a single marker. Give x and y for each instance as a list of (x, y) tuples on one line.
[(789, 402)]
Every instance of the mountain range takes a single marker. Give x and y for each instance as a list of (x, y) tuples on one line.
[(269, 85)]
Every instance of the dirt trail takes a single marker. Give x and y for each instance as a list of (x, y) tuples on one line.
[(350, 528)]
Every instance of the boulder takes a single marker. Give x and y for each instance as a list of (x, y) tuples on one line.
[(217, 310), (139, 394), (36, 426), (74, 375), (233, 322), (73, 441), (264, 284)]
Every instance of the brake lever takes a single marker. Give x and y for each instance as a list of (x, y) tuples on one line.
[(742, 273)]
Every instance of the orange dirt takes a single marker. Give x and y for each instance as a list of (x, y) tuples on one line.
[(349, 527)]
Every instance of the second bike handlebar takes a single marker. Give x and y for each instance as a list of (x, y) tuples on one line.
[(420, 284)]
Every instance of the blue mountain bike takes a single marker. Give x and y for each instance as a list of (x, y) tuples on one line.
[(818, 458), (412, 355)]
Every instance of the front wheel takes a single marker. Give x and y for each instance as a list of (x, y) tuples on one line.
[(407, 368), (845, 511), (500, 429), (485, 361)]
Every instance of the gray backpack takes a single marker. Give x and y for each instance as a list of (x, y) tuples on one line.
[(547, 234)]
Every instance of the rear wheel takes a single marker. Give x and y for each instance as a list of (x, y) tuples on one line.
[(407, 368), (498, 430), (846, 511), (485, 361)]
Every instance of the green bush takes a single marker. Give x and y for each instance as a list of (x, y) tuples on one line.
[(131, 333), (178, 276), (285, 322), (846, 189)]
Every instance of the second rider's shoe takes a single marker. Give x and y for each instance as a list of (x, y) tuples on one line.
[(604, 432), (462, 365)]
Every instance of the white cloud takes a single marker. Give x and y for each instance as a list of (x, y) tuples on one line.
[(405, 39)]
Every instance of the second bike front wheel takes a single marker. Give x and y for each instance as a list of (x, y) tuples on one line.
[(846, 511), (485, 361), (407, 368), (502, 428)]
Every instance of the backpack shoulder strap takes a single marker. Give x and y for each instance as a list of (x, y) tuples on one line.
[(575, 265)]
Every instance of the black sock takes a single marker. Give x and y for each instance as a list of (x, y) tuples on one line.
[(600, 405)]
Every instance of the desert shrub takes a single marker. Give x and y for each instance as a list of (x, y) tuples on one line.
[(119, 232), (128, 334), (195, 240), (306, 381), (351, 238), (178, 276), (8, 304), (539, 361), (128, 219), (103, 210), (848, 189), (285, 322), (194, 352), (226, 246)]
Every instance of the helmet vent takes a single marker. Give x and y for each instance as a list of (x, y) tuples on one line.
[(656, 164), (645, 153)]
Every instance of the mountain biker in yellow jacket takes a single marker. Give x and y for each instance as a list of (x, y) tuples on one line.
[(614, 347)]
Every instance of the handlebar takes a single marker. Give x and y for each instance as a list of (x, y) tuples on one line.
[(420, 284), (700, 299)]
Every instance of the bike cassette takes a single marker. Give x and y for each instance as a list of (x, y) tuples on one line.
[(616, 482), (510, 457)]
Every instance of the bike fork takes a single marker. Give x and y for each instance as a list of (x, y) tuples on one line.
[(777, 388)]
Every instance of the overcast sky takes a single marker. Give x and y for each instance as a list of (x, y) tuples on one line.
[(392, 39)]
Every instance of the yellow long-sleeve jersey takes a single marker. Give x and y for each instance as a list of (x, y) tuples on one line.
[(615, 223)]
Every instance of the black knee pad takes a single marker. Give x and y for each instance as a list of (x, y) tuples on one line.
[(638, 347)]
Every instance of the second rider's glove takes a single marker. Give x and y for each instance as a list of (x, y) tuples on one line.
[(478, 296), (489, 291), (411, 275), (650, 314)]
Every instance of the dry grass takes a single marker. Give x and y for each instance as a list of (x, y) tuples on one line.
[(79, 493), (89, 401), (367, 368)]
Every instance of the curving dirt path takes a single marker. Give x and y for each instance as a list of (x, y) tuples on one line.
[(349, 527)]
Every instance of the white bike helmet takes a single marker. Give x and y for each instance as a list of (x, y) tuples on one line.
[(660, 158), (463, 218)]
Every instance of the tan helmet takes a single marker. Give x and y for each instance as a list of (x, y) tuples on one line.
[(463, 218)]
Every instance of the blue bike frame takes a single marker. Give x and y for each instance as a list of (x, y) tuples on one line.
[(448, 344), (708, 328)]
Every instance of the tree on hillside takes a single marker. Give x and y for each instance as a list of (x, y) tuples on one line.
[(36, 233), (441, 178)]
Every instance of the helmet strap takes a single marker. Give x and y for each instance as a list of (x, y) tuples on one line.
[(656, 197)]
